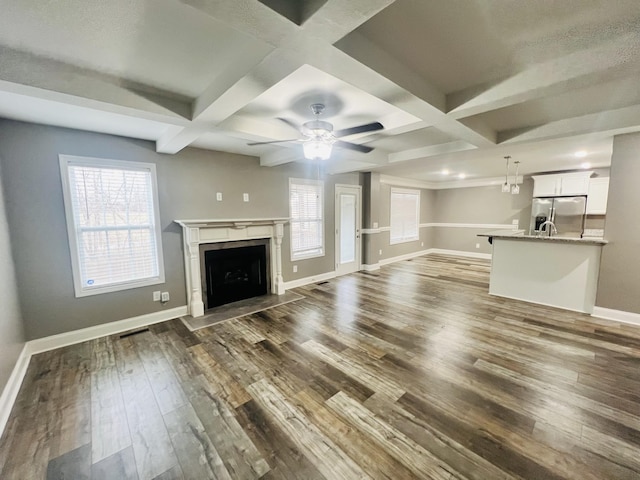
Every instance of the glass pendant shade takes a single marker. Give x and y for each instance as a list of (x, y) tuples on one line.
[(317, 150), (515, 190), (506, 186)]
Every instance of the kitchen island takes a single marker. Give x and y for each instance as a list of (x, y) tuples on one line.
[(556, 271)]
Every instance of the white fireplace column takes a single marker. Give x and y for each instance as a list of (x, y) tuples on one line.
[(198, 232)]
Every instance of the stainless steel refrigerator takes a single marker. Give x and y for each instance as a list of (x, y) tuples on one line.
[(567, 214)]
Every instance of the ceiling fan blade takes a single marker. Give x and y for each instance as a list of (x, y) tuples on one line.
[(369, 127), (290, 123), (273, 141), (353, 146)]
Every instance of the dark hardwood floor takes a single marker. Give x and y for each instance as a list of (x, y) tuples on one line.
[(410, 372)]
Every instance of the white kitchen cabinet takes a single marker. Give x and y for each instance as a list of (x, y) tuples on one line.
[(598, 195), (563, 184), (546, 185)]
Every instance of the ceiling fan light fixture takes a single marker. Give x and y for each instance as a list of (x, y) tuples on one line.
[(317, 149)]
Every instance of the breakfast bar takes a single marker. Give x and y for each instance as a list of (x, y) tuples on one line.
[(557, 271)]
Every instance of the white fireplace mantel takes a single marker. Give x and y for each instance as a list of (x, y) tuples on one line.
[(197, 232)]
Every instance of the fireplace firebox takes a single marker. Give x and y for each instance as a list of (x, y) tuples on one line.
[(233, 271)]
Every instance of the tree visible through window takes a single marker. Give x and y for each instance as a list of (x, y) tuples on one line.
[(306, 212), (405, 215), (113, 224)]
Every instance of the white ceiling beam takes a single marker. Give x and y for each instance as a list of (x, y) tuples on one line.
[(617, 120), (576, 70), (380, 74), (47, 79), (176, 138), (233, 90), (290, 154), (430, 151)]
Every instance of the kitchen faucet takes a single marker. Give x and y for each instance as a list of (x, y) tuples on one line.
[(542, 227)]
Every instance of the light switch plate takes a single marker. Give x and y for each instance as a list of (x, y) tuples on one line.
[(156, 296), (165, 296), (219, 196), (375, 224), (245, 197)]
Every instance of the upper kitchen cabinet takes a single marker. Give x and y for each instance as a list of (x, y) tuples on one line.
[(561, 185), (598, 195)]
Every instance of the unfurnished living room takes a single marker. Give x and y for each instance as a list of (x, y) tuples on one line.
[(319, 239)]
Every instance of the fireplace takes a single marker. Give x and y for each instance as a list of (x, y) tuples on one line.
[(233, 271), (210, 233)]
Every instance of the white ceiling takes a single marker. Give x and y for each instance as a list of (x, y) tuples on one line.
[(457, 84)]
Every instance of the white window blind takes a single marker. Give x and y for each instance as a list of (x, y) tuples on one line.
[(405, 215), (306, 212), (113, 224)]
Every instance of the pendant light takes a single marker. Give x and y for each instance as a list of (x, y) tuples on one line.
[(506, 188), (515, 190)]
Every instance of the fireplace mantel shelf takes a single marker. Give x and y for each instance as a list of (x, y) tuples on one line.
[(230, 222), (197, 232)]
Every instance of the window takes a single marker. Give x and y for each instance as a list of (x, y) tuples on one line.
[(113, 224), (307, 225), (405, 215)]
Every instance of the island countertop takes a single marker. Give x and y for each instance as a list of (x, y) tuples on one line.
[(520, 235)]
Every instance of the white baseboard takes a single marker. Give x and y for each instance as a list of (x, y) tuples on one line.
[(460, 253), (76, 336), (32, 347), (406, 256), (11, 389), (617, 315), (307, 280), (372, 267)]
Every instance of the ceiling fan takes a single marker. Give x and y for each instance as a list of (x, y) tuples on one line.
[(318, 137)]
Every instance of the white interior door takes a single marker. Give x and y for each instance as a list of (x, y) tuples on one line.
[(348, 224)]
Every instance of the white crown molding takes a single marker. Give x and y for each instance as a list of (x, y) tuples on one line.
[(616, 315), (409, 182)]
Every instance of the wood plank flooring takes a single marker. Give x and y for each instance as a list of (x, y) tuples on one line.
[(410, 372)]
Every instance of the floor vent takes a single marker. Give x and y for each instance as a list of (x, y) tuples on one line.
[(135, 332), (322, 283)]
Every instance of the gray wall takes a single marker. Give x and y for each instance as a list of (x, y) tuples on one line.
[(187, 184), (619, 282), (11, 331), (478, 205)]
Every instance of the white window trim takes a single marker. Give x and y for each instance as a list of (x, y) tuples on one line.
[(84, 291), (306, 181), (408, 239)]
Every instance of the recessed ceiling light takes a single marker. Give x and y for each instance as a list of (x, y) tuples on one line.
[(462, 176), (585, 165), (581, 154), (445, 171)]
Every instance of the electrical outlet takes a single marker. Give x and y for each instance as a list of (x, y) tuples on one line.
[(515, 222), (245, 197), (156, 296), (165, 297), (375, 224), (219, 196), (422, 244), (379, 252), (477, 245), (295, 269)]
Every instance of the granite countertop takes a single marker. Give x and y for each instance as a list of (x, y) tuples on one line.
[(520, 235)]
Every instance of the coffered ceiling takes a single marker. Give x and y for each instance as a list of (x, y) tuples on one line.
[(457, 84)]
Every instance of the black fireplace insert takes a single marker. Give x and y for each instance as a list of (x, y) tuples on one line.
[(235, 271)]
